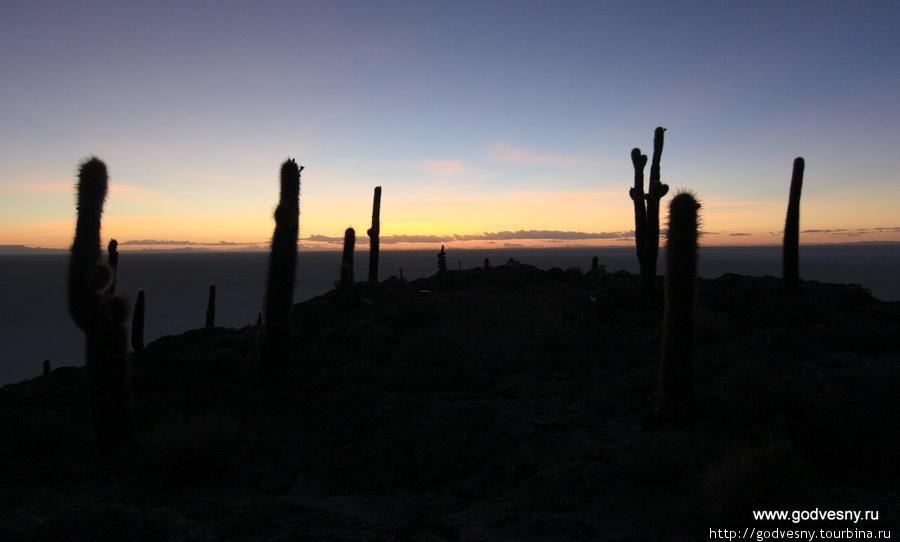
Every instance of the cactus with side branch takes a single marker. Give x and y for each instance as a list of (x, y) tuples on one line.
[(646, 210), (101, 316)]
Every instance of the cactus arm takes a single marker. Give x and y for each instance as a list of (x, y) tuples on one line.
[(347, 259), (137, 323), (211, 307), (113, 262), (639, 161)]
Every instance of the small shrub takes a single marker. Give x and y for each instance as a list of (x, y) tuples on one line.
[(764, 476), (197, 450)]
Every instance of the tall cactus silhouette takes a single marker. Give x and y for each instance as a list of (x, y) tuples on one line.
[(137, 323), (211, 307), (646, 210), (347, 259), (374, 236), (101, 316), (113, 261), (639, 161), (676, 373), (790, 257), (276, 346)]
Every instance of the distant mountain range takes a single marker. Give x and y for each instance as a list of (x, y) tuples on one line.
[(19, 250)]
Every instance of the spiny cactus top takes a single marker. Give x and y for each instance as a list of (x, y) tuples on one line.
[(84, 260), (282, 268), (676, 373)]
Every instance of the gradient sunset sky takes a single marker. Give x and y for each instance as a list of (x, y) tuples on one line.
[(485, 122)]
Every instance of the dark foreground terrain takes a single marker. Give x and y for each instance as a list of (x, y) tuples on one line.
[(501, 404)]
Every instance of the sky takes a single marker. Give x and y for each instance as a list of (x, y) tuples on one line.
[(486, 123)]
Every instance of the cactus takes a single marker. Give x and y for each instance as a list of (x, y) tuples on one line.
[(442, 260), (487, 263), (211, 307), (113, 262), (101, 316), (46, 368), (595, 265), (259, 318), (137, 323), (639, 161), (347, 259), (790, 258), (276, 346), (374, 233), (646, 210), (676, 374)]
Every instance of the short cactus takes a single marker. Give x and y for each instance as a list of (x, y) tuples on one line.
[(276, 346), (442, 260), (113, 262), (646, 210), (374, 236), (137, 323), (790, 259), (46, 368), (101, 316), (676, 374), (347, 259), (211, 307)]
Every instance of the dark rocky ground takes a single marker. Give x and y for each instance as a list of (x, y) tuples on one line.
[(501, 405)]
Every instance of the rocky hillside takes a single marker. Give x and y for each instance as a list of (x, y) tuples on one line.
[(501, 404)]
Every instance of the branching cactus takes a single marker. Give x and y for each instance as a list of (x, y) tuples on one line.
[(137, 323), (646, 210), (347, 259), (276, 346), (211, 307), (790, 259), (374, 236), (113, 261), (101, 316), (676, 374)]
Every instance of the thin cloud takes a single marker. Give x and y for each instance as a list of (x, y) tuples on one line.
[(542, 234), (171, 242), (489, 237), (49, 187), (507, 154), (446, 168), (739, 234)]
